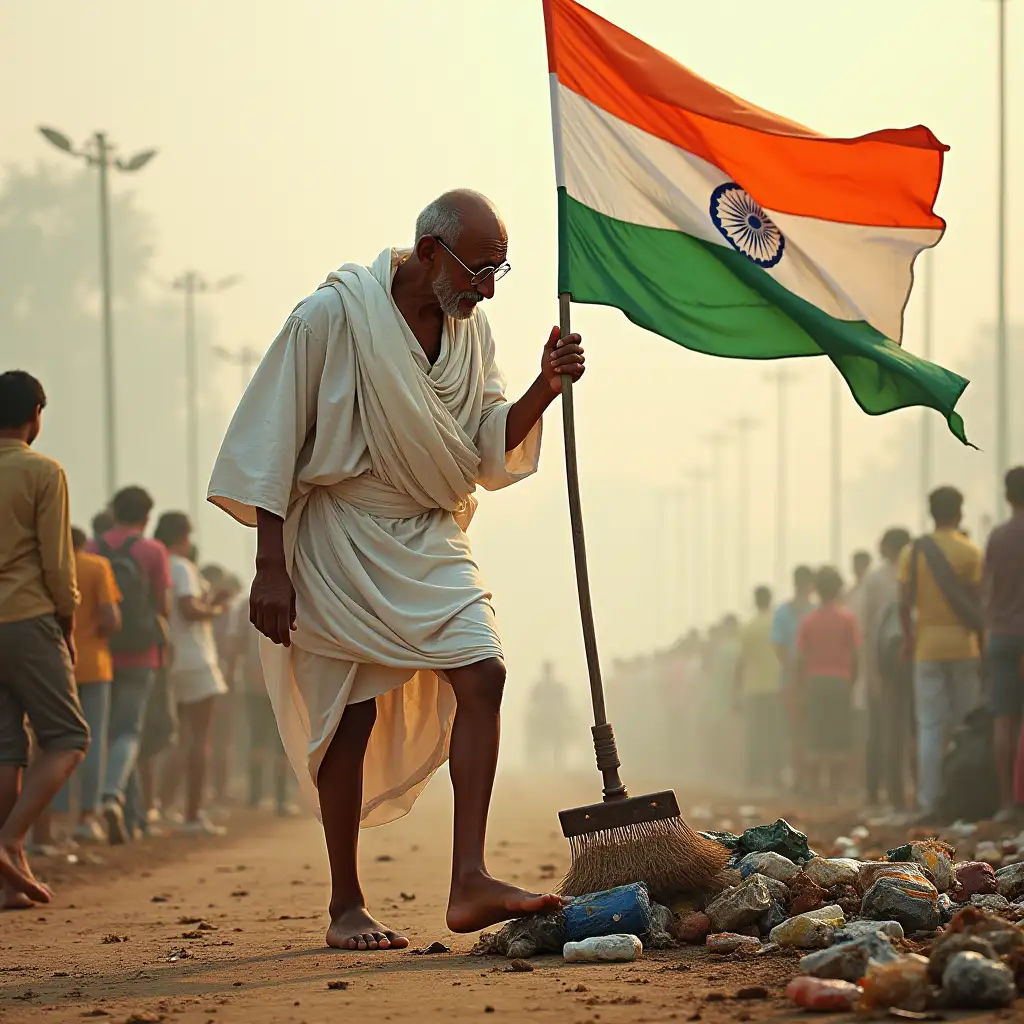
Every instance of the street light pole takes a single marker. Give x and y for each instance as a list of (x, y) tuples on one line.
[(1002, 355), (699, 545), (717, 548), (190, 283), (744, 425), (246, 359), (781, 379), (99, 153)]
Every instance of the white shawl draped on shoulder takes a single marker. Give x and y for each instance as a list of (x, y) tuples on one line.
[(371, 455)]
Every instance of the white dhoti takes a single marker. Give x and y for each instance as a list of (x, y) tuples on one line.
[(371, 456)]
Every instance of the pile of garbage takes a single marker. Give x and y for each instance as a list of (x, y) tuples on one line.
[(912, 930), (915, 930)]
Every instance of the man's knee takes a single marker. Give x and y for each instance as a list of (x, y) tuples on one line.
[(480, 686)]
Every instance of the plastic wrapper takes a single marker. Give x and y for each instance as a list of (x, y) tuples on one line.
[(902, 984)]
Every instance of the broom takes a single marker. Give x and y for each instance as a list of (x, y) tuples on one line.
[(624, 838)]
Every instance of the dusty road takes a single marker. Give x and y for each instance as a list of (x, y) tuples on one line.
[(231, 930)]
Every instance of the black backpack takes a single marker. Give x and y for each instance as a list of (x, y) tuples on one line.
[(140, 626)]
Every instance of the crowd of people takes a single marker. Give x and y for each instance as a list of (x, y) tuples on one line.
[(124, 669), (901, 689)]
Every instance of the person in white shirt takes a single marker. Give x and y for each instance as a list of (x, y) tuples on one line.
[(195, 677)]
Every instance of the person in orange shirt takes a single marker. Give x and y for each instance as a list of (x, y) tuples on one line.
[(98, 616)]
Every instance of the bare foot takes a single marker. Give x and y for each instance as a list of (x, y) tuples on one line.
[(356, 929), (11, 899), (17, 875), (479, 901)]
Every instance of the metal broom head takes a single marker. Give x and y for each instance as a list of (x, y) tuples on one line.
[(638, 839)]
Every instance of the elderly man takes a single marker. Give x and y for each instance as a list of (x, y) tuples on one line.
[(355, 452)]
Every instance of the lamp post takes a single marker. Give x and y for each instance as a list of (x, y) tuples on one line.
[(836, 488), (743, 426), (717, 560), (699, 544), (99, 152), (246, 359), (192, 283), (781, 379)]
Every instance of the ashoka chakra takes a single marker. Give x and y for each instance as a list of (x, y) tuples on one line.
[(745, 225)]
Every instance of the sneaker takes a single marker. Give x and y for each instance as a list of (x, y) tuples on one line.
[(202, 826), (113, 814), (90, 832)]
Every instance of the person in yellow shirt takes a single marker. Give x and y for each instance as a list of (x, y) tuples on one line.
[(759, 698), (38, 596), (943, 646)]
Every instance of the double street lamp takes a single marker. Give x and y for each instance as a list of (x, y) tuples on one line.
[(99, 152)]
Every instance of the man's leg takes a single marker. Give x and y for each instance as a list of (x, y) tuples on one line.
[(41, 679), (95, 698), (340, 786), (875, 747), (1005, 703), (128, 697), (477, 900), (196, 723), (931, 701)]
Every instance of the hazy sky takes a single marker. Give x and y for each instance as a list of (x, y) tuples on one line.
[(295, 137)]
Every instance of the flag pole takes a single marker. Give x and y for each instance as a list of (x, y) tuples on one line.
[(604, 740)]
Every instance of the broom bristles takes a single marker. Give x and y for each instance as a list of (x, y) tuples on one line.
[(668, 855)]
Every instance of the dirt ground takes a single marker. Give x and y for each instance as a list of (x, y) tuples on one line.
[(231, 930)]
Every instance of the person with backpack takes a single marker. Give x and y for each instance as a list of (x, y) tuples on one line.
[(940, 581), (889, 678), (142, 570)]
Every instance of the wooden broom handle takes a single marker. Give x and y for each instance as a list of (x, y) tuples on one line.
[(579, 547)]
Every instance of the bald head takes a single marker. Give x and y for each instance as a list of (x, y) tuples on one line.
[(457, 212)]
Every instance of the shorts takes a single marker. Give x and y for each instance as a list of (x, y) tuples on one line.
[(37, 680), (194, 685), (263, 731), (828, 716), (1006, 675)]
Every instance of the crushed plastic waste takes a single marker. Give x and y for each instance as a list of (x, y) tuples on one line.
[(973, 878), (991, 901), (974, 981), (952, 943), (692, 928), (822, 995), (807, 895), (730, 942), (902, 983), (772, 918), (625, 909), (770, 864), (737, 908), (856, 929), (914, 904), (828, 872), (1010, 881), (603, 949), (849, 961), (813, 930), (935, 856), (871, 871)]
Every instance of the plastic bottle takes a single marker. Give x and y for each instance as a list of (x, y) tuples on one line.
[(603, 948)]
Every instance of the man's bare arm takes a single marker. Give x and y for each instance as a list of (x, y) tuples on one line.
[(272, 600), (559, 358)]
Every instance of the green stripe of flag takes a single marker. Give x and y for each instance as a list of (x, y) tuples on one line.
[(715, 300)]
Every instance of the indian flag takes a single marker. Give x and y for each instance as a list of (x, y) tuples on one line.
[(731, 230)]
